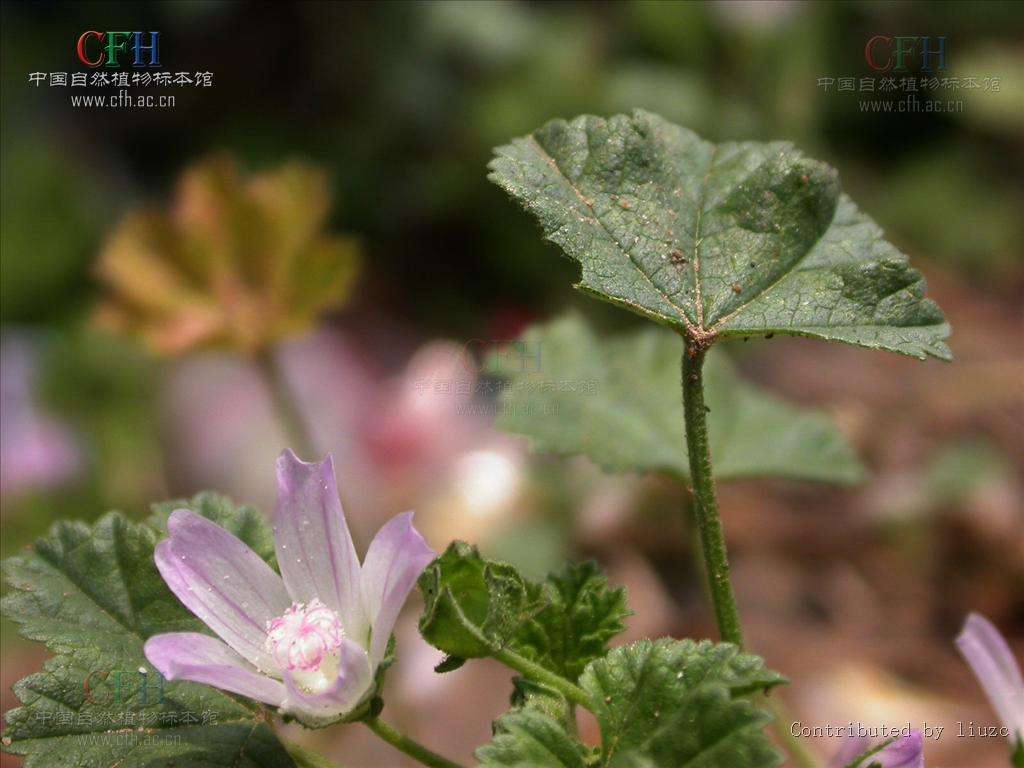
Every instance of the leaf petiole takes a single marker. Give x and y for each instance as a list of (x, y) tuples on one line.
[(709, 524), (570, 690)]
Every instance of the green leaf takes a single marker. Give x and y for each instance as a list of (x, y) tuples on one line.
[(581, 614), (475, 607), (706, 729), (733, 239), (617, 401), (529, 694), (531, 738), (673, 702), (93, 595), (472, 605)]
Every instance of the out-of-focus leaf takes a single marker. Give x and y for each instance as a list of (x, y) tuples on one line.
[(998, 104), (48, 225), (733, 239), (682, 97), (236, 262), (963, 468), (958, 209), (617, 401)]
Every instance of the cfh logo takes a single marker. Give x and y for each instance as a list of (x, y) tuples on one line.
[(885, 53), (119, 49)]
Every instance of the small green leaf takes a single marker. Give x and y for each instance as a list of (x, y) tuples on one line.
[(472, 605), (529, 694), (475, 607), (530, 738), (674, 702), (93, 595), (617, 401), (581, 614), (734, 239)]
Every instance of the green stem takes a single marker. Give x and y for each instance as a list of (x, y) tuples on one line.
[(288, 413), (403, 743), (307, 758), (570, 690), (709, 525)]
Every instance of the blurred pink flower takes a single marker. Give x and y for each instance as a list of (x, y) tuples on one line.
[(36, 450), (399, 435)]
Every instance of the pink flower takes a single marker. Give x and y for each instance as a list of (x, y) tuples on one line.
[(308, 641), (904, 752), (988, 655)]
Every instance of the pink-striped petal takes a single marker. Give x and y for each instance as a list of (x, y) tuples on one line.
[(354, 684), (205, 659), (314, 547), (223, 582), (396, 558), (989, 656)]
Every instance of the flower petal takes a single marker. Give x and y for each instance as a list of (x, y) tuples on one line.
[(904, 752), (988, 655), (314, 547), (355, 682), (223, 582), (396, 557), (205, 659)]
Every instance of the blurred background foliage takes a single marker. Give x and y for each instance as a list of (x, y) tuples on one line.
[(398, 105)]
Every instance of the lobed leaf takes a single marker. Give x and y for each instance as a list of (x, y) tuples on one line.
[(580, 614), (675, 702), (732, 239)]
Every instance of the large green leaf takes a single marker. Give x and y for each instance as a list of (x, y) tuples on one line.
[(671, 702), (475, 607), (617, 401), (722, 240), (93, 595)]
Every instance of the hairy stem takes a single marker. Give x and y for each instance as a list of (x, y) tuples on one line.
[(307, 758), (288, 413), (524, 666), (403, 743), (709, 525)]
